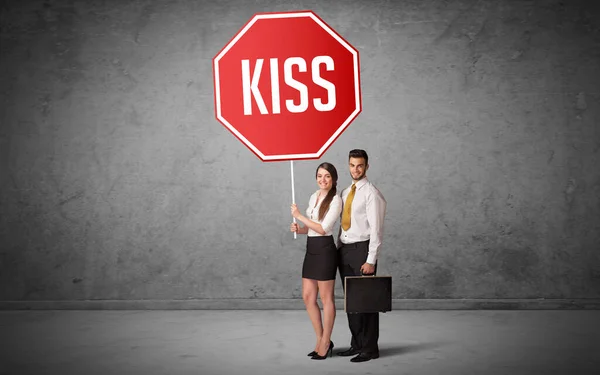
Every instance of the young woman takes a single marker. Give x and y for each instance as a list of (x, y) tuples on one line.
[(320, 261)]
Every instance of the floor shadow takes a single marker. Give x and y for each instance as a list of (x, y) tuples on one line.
[(390, 351)]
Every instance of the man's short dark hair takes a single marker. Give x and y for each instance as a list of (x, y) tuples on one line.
[(356, 153)]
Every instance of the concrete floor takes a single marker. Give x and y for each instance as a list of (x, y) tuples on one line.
[(276, 342)]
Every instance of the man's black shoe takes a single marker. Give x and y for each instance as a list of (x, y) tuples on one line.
[(348, 353), (363, 357)]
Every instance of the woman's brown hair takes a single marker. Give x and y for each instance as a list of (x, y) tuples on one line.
[(329, 197)]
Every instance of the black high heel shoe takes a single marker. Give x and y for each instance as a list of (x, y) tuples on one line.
[(312, 353), (328, 354)]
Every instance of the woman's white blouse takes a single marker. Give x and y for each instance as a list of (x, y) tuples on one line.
[(312, 212)]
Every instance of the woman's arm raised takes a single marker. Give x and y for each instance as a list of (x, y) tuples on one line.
[(306, 221)]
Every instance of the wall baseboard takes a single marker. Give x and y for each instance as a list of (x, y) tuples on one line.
[(297, 304)]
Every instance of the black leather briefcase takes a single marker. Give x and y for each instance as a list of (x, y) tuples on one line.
[(367, 294)]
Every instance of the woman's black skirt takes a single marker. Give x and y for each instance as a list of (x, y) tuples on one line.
[(320, 261)]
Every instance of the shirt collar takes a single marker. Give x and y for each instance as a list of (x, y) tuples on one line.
[(362, 182)]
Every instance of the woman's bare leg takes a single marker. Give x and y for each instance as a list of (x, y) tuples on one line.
[(326, 292), (309, 295)]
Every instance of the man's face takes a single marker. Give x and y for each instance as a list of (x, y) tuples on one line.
[(358, 168)]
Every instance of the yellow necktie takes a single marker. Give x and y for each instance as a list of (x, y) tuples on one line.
[(348, 208)]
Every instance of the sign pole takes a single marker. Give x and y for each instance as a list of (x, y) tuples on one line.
[(293, 193)]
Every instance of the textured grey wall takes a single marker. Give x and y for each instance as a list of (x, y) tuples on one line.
[(481, 119)]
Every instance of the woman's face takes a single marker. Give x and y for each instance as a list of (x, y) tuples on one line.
[(324, 179)]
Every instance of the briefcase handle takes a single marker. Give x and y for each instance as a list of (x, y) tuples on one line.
[(367, 274)]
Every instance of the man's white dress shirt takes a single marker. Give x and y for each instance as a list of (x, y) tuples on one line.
[(366, 218)]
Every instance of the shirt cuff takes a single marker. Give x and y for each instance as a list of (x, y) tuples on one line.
[(372, 258)]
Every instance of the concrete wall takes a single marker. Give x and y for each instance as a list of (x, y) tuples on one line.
[(481, 119)]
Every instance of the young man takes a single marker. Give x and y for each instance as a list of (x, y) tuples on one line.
[(359, 242)]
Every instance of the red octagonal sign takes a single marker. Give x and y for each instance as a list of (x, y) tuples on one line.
[(287, 85)]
